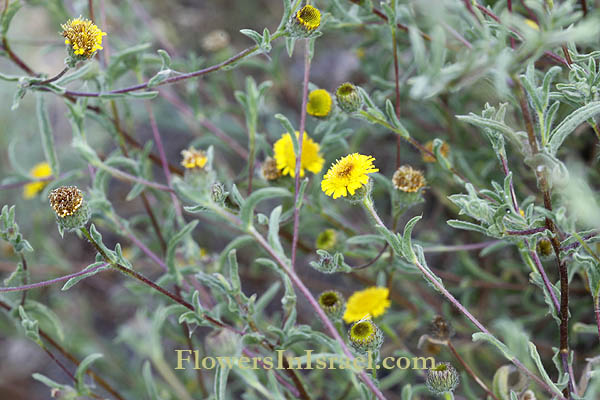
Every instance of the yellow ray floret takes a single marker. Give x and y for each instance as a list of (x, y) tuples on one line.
[(83, 36), (39, 171), (371, 302), (286, 158), (347, 175)]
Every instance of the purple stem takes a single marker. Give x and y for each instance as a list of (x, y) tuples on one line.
[(540, 268), (527, 231), (23, 183), (51, 281), (299, 156), (132, 178), (163, 157), (279, 378)]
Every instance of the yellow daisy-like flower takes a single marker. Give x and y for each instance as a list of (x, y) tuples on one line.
[(309, 17), (371, 302), (39, 171), (347, 175), (83, 36), (319, 103), (193, 158), (286, 158)]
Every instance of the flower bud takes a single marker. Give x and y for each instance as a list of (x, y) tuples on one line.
[(72, 211), (365, 336), (218, 192), (442, 379), (223, 343), (332, 302), (348, 98), (329, 264)]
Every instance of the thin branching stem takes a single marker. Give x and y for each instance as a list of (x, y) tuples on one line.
[(299, 155)]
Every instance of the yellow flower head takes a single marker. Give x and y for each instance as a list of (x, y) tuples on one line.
[(371, 302), (319, 103), (39, 171), (365, 336), (286, 158), (83, 36), (193, 158), (309, 17), (347, 175)]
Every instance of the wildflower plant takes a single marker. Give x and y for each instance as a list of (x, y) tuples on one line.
[(208, 164)]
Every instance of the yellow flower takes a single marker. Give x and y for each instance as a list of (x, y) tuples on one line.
[(371, 302), (319, 103), (83, 36), (286, 158), (39, 171), (347, 175), (193, 158), (309, 17)]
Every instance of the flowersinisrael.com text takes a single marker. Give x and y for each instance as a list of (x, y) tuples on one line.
[(193, 359)]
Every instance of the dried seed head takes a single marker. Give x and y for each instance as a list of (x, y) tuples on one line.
[(269, 169), (440, 329), (442, 379), (332, 302), (407, 179), (72, 211), (365, 336), (65, 200)]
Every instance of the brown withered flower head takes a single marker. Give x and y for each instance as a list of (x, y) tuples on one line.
[(269, 169), (440, 329), (408, 179), (65, 200)]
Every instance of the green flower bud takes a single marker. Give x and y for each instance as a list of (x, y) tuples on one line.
[(365, 336), (442, 379), (329, 264), (223, 343), (218, 192), (333, 303), (72, 211), (348, 98)]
